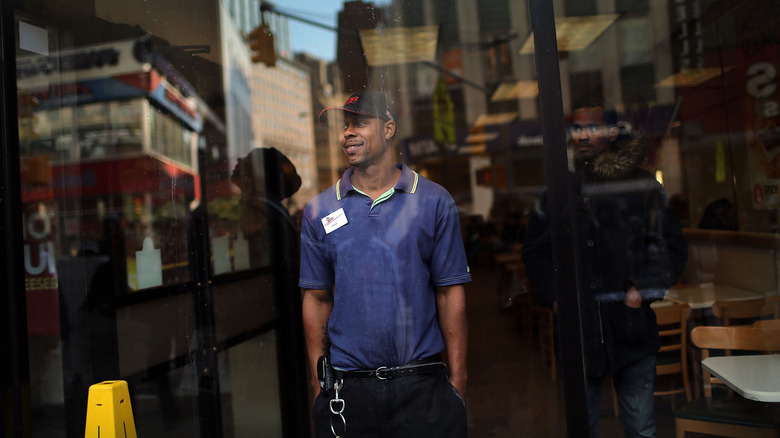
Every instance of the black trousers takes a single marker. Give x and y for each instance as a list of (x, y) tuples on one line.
[(423, 405)]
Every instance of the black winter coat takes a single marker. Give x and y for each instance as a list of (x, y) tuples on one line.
[(625, 233)]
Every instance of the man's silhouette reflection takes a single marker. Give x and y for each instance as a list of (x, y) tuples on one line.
[(266, 178)]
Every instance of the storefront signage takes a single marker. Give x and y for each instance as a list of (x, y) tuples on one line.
[(687, 38), (103, 73), (40, 268), (70, 66), (530, 140), (758, 32), (79, 61), (173, 101), (421, 148)]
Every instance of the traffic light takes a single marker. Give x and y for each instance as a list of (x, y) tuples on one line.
[(261, 41)]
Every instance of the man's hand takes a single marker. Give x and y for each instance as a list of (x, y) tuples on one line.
[(633, 298), (459, 384)]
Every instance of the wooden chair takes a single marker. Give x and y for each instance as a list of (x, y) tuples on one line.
[(740, 312), (672, 358), (767, 324), (724, 415), (732, 312)]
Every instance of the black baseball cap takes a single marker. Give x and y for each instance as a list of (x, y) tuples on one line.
[(367, 103)]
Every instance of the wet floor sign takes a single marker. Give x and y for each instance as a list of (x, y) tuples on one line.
[(109, 414)]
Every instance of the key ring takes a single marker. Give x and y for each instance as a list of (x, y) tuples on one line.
[(343, 422), (335, 409)]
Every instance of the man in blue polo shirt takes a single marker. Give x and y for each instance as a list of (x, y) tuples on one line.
[(382, 268)]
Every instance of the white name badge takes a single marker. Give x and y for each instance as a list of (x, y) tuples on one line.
[(334, 221)]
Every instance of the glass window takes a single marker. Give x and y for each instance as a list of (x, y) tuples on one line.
[(170, 171)]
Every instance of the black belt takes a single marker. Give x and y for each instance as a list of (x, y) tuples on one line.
[(422, 366)]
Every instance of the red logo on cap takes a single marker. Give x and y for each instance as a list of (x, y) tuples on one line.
[(352, 99)]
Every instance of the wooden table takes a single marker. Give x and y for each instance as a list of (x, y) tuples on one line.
[(702, 296), (755, 377)]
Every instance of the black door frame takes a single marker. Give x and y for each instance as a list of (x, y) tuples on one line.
[(14, 366), (558, 192)]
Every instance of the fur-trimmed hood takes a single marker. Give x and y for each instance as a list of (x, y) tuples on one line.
[(622, 161)]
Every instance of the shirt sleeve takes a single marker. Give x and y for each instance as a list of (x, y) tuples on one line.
[(449, 264), (316, 270)]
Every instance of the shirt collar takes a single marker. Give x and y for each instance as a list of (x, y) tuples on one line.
[(406, 183)]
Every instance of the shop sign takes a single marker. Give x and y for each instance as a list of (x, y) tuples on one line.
[(105, 73), (70, 66), (758, 32), (170, 98), (525, 141), (41, 284), (686, 34), (417, 149)]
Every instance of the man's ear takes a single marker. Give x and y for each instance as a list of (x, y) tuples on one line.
[(389, 129)]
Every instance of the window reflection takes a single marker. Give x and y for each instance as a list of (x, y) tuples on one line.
[(137, 128), (265, 178)]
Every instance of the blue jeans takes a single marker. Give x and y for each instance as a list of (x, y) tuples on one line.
[(634, 386)]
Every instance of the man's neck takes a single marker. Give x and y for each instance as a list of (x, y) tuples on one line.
[(375, 180)]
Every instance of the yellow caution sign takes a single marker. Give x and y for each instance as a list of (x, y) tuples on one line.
[(109, 414)]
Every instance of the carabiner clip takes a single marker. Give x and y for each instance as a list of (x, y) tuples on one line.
[(337, 406)]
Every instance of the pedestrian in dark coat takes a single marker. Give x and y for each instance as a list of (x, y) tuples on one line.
[(629, 249)]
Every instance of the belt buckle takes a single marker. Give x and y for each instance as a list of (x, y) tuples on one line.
[(379, 370)]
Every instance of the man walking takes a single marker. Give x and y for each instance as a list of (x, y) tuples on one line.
[(382, 268), (629, 249)]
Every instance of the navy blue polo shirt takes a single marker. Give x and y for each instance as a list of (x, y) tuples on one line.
[(383, 262)]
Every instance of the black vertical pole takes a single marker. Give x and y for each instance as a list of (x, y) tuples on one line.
[(206, 356), (558, 191), (14, 369)]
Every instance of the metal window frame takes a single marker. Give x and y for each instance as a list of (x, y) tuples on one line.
[(558, 191), (14, 363)]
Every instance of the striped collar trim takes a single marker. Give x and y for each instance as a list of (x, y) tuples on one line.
[(408, 181)]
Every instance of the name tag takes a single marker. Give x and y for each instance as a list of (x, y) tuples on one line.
[(334, 221)]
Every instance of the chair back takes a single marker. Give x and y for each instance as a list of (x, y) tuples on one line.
[(672, 325), (732, 338), (770, 324), (773, 302), (672, 314), (730, 310), (673, 330)]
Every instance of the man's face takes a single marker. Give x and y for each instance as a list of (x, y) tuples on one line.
[(366, 140), (590, 136)]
